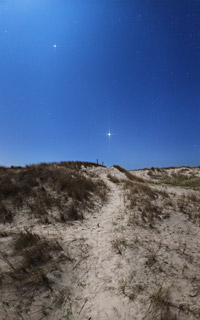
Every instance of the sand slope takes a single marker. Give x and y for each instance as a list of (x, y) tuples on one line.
[(120, 264)]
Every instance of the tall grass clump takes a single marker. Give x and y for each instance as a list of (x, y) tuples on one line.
[(128, 175)]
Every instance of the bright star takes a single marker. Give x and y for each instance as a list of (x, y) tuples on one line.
[(109, 134), (54, 46)]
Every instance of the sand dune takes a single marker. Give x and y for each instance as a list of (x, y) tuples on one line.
[(133, 254)]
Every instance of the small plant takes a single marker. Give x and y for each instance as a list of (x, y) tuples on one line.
[(193, 197), (160, 303), (152, 259), (122, 286), (25, 240), (35, 250), (6, 215), (118, 245), (130, 290), (68, 314), (35, 280), (71, 213)]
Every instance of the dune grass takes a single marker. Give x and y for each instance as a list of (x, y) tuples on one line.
[(61, 187)]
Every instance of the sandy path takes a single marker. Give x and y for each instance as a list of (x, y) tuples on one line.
[(101, 298), (95, 276)]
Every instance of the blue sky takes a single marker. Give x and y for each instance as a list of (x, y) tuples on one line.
[(131, 67)]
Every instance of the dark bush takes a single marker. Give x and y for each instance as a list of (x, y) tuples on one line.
[(25, 240), (70, 214), (6, 216)]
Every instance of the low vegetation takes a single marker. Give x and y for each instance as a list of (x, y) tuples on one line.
[(181, 180), (29, 274), (189, 205), (128, 174), (146, 204), (113, 179), (184, 177), (49, 192), (160, 305)]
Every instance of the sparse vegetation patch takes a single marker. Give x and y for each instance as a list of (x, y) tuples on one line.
[(128, 174), (42, 189)]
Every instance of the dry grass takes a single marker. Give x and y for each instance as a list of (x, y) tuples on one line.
[(151, 259), (129, 175), (119, 244), (146, 204), (160, 303), (34, 258), (77, 165), (182, 178), (34, 249), (113, 179), (190, 206), (41, 189), (193, 197), (26, 239), (32, 281), (131, 291), (71, 213), (6, 215)]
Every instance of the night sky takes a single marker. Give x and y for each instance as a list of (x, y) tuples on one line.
[(72, 71)]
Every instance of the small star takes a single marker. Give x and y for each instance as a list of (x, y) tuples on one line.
[(54, 46), (109, 134)]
